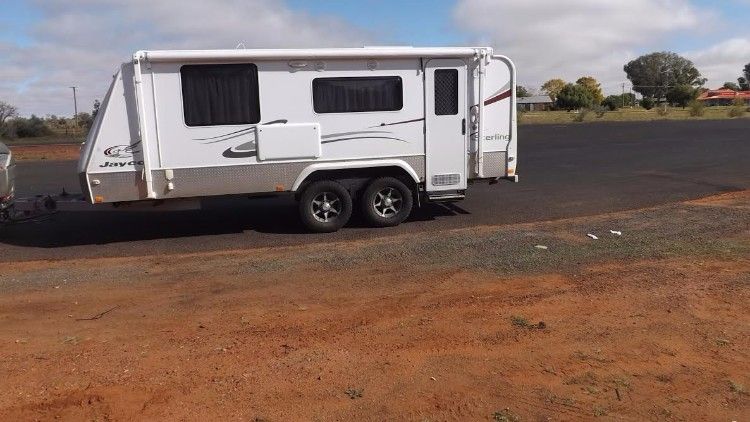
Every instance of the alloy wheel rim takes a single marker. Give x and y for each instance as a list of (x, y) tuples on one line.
[(326, 207), (387, 202)]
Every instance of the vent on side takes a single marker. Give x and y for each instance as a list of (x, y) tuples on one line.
[(446, 179), (446, 92)]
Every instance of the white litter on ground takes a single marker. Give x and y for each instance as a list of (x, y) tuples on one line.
[(617, 232), (541, 247), (593, 236)]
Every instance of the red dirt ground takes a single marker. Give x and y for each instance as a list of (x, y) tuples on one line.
[(195, 338), (46, 152)]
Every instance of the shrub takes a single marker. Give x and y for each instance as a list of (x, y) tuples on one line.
[(30, 128), (600, 111), (738, 108), (581, 115), (696, 108), (647, 103)]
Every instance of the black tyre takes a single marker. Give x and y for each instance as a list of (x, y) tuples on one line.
[(386, 202), (325, 206)]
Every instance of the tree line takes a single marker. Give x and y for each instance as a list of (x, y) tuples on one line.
[(13, 126), (658, 77)]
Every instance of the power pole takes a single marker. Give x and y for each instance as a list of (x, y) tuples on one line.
[(75, 104), (623, 95)]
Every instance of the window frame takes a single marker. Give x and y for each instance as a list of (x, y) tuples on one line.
[(182, 96), (312, 94)]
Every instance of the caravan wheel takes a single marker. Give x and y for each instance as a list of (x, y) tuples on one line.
[(325, 206), (386, 202)]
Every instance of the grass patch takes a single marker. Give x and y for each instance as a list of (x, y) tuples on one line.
[(519, 321), (522, 322), (722, 342), (633, 115), (505, 415), (354, 393), (738, 388), (600, 410)]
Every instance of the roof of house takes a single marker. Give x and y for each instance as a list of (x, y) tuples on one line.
[(534, 99), (723, 94)]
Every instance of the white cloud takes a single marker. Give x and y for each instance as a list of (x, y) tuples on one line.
[(82, 42), (722, 62), (569, 39)]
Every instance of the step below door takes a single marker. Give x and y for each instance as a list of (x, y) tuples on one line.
[(445, 135)]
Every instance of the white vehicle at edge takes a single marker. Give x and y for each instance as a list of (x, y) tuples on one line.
[(7, 174), (373, 129)]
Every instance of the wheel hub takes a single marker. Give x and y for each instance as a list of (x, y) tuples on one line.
[(326, 207), (387, 202)]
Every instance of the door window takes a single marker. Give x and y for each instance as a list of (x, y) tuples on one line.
[(446, 92)]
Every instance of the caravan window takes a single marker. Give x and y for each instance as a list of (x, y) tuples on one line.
[(352, 95), (446, 92), (220, 94)]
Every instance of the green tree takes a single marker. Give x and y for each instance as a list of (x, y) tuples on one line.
[(7, 111), (553, 87), (744, 80), (647, 103), (574, 96), (521, 91), (628, 99), (731, 85), (681, 95), (593, 87), (653, 74), (613, 102)]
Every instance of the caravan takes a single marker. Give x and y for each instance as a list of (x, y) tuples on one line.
[(376, 130)]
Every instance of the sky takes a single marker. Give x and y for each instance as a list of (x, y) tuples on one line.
[(47, 46)]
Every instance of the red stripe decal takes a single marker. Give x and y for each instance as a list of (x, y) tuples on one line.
[(498, 97)]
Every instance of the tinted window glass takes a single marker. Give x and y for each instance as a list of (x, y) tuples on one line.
[(350, 95), (225, 94), (446, 92)]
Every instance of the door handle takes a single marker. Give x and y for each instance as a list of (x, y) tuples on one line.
[(463, 126)]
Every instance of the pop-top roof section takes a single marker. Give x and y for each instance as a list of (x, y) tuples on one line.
[(309, 54)]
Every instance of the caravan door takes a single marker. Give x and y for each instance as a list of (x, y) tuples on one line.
[(445, 124)]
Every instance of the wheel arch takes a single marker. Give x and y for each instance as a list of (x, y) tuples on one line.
[(355, 169)]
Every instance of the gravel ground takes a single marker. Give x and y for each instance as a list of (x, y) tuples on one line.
[(684, 229)]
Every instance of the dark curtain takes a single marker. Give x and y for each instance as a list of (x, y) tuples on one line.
[(343, 95), (224, 94)]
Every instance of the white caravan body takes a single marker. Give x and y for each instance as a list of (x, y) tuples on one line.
[(440, 116)]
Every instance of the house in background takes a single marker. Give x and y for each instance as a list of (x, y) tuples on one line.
[(534, 103), (723, 97)]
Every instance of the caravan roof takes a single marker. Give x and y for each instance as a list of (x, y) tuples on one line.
[(312, 54)]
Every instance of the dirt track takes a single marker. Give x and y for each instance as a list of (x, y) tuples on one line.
[(461, 325)]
